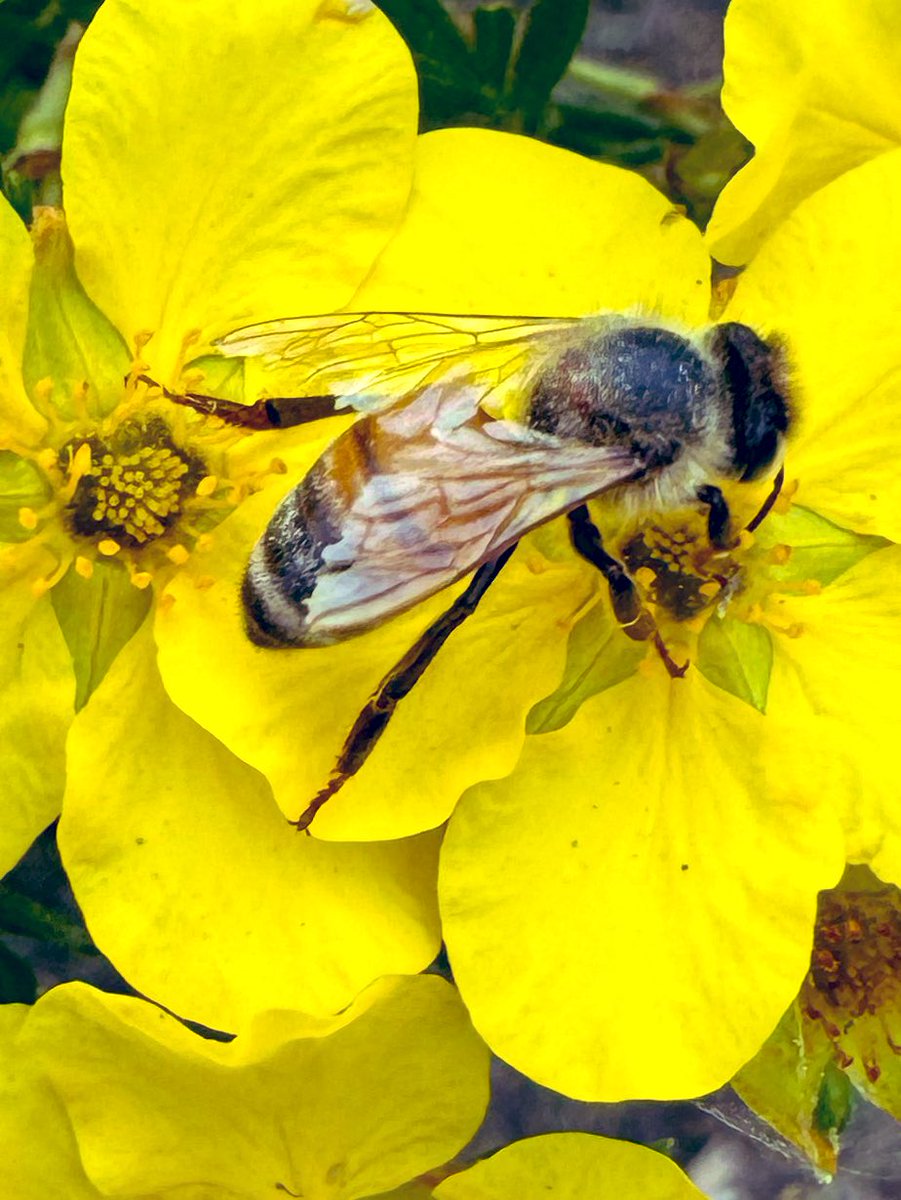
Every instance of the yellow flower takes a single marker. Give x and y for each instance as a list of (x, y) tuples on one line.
[(628, 907), (843, 1030), (217, 168), (108, 1095), (814, 88)]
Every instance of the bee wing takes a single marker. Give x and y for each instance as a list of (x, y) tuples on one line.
[(418, 497), (377, 357)]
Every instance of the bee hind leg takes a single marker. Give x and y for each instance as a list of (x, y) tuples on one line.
[(635, 620), (399, 682), (274, 412)]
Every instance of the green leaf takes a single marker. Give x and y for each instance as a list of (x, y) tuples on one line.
[(819, 549), (448, 80), (738, 658), (98, 616), (599, 655), (17, 981), (22, 485), (494, 29), (553, 30), (24, 917)]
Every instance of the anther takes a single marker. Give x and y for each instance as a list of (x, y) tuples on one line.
[(207, 485), (28, 518), (108, 547)]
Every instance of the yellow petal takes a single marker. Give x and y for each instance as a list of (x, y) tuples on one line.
[(222, 167), (841, 677), (571, 1166), (40, 1153), (288, 711), (815, 91), (501, 224), (823, 283), (19, 422), (340, 1110), (629, 913), (37, 694), (195, 886)]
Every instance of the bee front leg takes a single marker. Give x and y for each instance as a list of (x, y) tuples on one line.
[(719, 532), (275, 412), (399, 682), (635, 620)]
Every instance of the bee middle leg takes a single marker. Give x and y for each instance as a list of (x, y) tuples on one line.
[(399, 682), (275, 412), (635, 620)]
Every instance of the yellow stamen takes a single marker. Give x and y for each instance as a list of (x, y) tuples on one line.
[(84, 566), (141, 579), (178, 554), (108, 547), (779, 555), (644, 577), (207, 485), (28, 518)]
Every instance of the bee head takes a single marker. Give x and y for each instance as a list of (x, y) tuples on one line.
[(754, 375)]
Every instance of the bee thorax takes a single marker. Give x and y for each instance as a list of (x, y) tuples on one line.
[(645, 389)]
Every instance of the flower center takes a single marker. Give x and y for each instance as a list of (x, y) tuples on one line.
[(855, 970), (133, 484), (680, 572)]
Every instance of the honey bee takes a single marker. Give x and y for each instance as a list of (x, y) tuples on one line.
[(436, 479)]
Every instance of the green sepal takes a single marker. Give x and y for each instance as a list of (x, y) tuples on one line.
[(69, 340), (738, 658), (98, 616), (819, 550), (22, 485), (598, 656)]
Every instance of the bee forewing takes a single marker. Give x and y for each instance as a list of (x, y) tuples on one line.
[(383, 356), (416, 498)]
